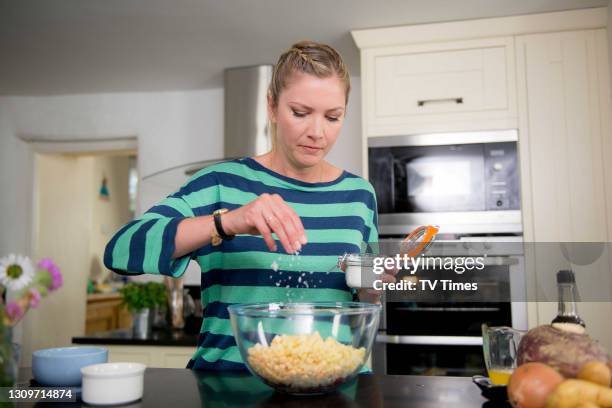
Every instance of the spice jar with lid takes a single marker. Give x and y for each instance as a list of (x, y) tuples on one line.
[(359, 270)]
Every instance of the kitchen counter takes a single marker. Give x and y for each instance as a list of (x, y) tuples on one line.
[(126, 337), (164, 387)]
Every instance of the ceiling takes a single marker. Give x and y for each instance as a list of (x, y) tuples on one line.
[(87, 46)]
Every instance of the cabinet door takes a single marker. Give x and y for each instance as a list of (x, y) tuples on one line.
[(465, 85), (564, 135)]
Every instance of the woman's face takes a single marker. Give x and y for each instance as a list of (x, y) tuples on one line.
[(308, 117)]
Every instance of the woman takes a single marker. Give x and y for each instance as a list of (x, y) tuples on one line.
[(225, 216)]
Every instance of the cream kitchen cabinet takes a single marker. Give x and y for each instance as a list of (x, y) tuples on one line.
[(447, 86), (545, 74), (151, 356), (566, 175)]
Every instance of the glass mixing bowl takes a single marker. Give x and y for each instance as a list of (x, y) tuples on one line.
[(305, 348)]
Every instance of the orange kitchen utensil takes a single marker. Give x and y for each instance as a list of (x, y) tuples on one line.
[(418, 241)]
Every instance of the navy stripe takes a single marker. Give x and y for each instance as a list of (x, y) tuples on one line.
[(295, 196), (221, 341), (165, 258), (251, 243), (219, 365), (165, 211), (209, 209), (137, 246), (255, 165), (339, 222), (217, 309), (110, 247), (270, 278)]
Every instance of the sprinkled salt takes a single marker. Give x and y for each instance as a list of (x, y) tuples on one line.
[(274, 266)]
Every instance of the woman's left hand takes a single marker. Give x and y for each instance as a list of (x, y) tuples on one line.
[(372, 295)]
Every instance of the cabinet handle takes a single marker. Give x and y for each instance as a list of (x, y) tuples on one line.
[(443, 100)]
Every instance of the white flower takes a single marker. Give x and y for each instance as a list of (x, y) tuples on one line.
[(16, 271)]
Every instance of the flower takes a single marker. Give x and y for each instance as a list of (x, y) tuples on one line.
[(14, 311), (16, 271), (54, 273), (17, 274), (34, 297)]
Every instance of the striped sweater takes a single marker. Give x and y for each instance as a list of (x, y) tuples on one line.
[(338, 216)]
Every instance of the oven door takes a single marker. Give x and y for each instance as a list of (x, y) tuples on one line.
[(467, 183), (444, 338), (428, 355)]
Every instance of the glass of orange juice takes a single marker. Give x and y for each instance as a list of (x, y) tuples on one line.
[(500, 345)]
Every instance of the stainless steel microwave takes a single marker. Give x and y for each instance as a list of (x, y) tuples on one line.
[(467, 183)]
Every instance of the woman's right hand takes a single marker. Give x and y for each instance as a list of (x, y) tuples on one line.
[(265, 215)]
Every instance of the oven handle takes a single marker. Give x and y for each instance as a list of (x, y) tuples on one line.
[(430, 340), (500, 260), (448, 309), (488, 261)]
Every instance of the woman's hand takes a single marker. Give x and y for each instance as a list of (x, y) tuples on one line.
[(265, 215), (373, 295)]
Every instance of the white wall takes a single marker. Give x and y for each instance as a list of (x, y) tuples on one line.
[(64, 209), (609, 25)]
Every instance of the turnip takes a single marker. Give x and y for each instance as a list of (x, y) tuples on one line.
[(562, 350)]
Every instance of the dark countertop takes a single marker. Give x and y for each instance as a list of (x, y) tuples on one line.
[(169, 387), (125, 337)]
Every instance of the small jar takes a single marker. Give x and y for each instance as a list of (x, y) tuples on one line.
[(359, 270)]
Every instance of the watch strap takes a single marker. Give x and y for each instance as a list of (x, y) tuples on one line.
[(219, 226)]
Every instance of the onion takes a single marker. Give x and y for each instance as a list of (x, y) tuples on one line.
[(530, 385)]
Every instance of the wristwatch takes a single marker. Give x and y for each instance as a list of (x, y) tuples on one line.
[(218, 234)]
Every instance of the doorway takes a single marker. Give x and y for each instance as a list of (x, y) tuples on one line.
[(82, 195)]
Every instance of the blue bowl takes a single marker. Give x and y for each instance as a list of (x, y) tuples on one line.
[(62, 366)]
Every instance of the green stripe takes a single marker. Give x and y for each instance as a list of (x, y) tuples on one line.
[(258, 259), (153, 245), (245, 294), (323, 236), (203, 197), (334, 210), (121, 251), (212, 354), (349, 183), (216, 325)]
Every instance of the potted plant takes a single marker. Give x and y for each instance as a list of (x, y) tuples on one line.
[(140, 299)]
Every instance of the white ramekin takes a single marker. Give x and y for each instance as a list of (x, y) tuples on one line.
[(112, 383)]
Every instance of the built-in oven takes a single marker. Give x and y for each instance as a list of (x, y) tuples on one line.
[(440, 333), (468, 183)]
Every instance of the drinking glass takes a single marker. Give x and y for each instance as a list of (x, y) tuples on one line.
[(500, 345)]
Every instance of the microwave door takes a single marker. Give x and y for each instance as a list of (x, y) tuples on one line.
[(443, 179)]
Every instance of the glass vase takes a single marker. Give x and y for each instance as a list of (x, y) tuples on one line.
[(9, 357)]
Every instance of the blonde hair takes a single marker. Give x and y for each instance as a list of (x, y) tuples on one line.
[(309, 57)]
